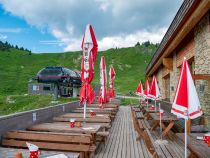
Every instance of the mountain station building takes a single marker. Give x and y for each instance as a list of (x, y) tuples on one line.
[(187, 36)]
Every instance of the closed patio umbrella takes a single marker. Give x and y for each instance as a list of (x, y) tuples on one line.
[(146, 91), (111, 82), (186, 103), (140, 91), (90, 49), (103, 97), (154, 92)]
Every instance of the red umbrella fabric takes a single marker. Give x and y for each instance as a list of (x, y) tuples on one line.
[(90, 48), (103, 98), (111, 82), (186, 103), (146, 90), (139, 90), (154, 91)]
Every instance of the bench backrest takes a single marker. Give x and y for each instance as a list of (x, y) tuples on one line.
[(48, 140)]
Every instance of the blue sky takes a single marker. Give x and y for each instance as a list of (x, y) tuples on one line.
[(58, 25), (15, 30)]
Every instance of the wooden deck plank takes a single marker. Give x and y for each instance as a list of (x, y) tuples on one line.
[(119, 150), (122, 139), (117, 134), (110, 142), (115, 138), (102, 150), (129, 138)]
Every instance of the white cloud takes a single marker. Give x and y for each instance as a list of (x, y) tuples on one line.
[(51, 42), (120, 41), (115, 22), (10, 30), (3, 37)]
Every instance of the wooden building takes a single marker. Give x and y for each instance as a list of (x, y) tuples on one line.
[(187, 36)]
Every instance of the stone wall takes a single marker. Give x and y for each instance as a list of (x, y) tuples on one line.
[(202, 63), (174, 76), (160, 82), (22, 120)]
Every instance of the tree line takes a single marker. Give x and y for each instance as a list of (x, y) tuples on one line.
[(6, 46)]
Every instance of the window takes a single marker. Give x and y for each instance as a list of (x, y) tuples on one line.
[(46, 88)]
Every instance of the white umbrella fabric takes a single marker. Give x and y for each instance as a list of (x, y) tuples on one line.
[(186, 102)]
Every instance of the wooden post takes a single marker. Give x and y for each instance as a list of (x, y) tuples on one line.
[(189, 126)]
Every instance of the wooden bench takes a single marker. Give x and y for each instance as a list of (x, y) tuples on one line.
[(103, 135), (51, 141), (158, 150), (138, 112), (139, 124)]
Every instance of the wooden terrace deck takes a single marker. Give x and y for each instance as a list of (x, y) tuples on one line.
[(122, 143)]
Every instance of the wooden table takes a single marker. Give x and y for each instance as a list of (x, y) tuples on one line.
[(102, 124), (167, 120), (80, 115), (104, 105), (197, 147), (147, 111), (65, 128), (96, 110)]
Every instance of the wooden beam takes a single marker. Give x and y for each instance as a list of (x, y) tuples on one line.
[(168, 63), (201, 77)]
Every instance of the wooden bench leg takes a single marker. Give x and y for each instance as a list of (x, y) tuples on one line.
[(154, 125), (171, 124)]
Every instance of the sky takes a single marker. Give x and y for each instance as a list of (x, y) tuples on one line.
[(45, 26)]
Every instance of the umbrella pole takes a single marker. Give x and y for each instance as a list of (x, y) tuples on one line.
[(185, 140), (85, 109), (161, 136), (156, 106)]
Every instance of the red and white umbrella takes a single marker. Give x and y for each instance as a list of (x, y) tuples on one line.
[(186, 103), (103, 98), (90, 48), (146, 90), (154, 91), (111, 82), (139, 90)]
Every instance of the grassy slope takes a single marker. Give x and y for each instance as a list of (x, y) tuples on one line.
[(18, 67)]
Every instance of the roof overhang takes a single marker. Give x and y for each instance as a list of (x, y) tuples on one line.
[(190, 13)]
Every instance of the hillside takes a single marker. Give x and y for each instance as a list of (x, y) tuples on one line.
[(18, 67)]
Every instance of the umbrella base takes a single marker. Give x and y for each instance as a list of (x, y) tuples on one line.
[(161, 141)]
